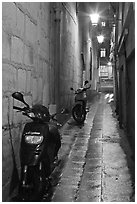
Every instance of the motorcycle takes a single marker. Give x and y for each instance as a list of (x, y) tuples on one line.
[(40, 143), (79, 109)]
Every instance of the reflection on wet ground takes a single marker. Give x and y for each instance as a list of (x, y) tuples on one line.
[(97, 168), (74, 147)]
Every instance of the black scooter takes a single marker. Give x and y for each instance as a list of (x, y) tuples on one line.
[(79, 109), (40, 143)]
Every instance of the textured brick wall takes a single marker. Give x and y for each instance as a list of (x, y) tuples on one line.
[(25, 60), (28, 65)]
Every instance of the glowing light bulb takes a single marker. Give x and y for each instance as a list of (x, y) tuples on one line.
[(94, 18), (100, 38)]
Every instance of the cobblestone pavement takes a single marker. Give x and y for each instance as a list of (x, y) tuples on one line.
[(97, 159)]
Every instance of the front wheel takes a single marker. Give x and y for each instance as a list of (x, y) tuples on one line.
[(35, 184), (79, 113)]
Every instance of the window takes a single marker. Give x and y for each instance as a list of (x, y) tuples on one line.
[(103, 52), (103, 23), (102, 67)]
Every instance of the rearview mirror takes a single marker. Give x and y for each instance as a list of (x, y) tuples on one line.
[(19, 96), (86, 82)]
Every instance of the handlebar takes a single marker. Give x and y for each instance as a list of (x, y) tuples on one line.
[(26, 111), (18, 108), (82, 90)]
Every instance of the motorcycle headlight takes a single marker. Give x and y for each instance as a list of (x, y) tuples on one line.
[(34, 139)]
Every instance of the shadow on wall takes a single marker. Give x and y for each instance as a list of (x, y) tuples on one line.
[(15, 175)]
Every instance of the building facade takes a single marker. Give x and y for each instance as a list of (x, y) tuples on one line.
[(41, 57), (123, 58)]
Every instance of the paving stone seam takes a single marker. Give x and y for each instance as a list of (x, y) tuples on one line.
[(82, 168), (101, 196), (93, 119), (102, 169), (70, 151)]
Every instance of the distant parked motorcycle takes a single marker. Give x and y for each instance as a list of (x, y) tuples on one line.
[(79, 108), (40, 143)]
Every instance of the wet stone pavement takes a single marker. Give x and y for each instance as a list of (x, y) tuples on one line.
[(95, 160)]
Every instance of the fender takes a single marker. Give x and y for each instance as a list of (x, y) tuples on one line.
[(81, 102)]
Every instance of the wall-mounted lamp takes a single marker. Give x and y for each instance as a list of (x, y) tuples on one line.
[(94, 18), (100, 38), (109, 63)]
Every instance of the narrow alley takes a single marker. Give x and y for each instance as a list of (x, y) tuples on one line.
[(68, 101), (97, 160)]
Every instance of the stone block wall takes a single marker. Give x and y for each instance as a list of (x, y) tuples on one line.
[(28, 66), (25, 68)]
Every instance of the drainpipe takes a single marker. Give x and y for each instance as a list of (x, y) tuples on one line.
[(57, 63)]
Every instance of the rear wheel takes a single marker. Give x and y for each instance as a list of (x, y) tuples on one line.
[(79, 113)]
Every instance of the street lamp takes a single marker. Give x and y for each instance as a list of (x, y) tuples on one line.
[(100, 38), (94, 18)]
